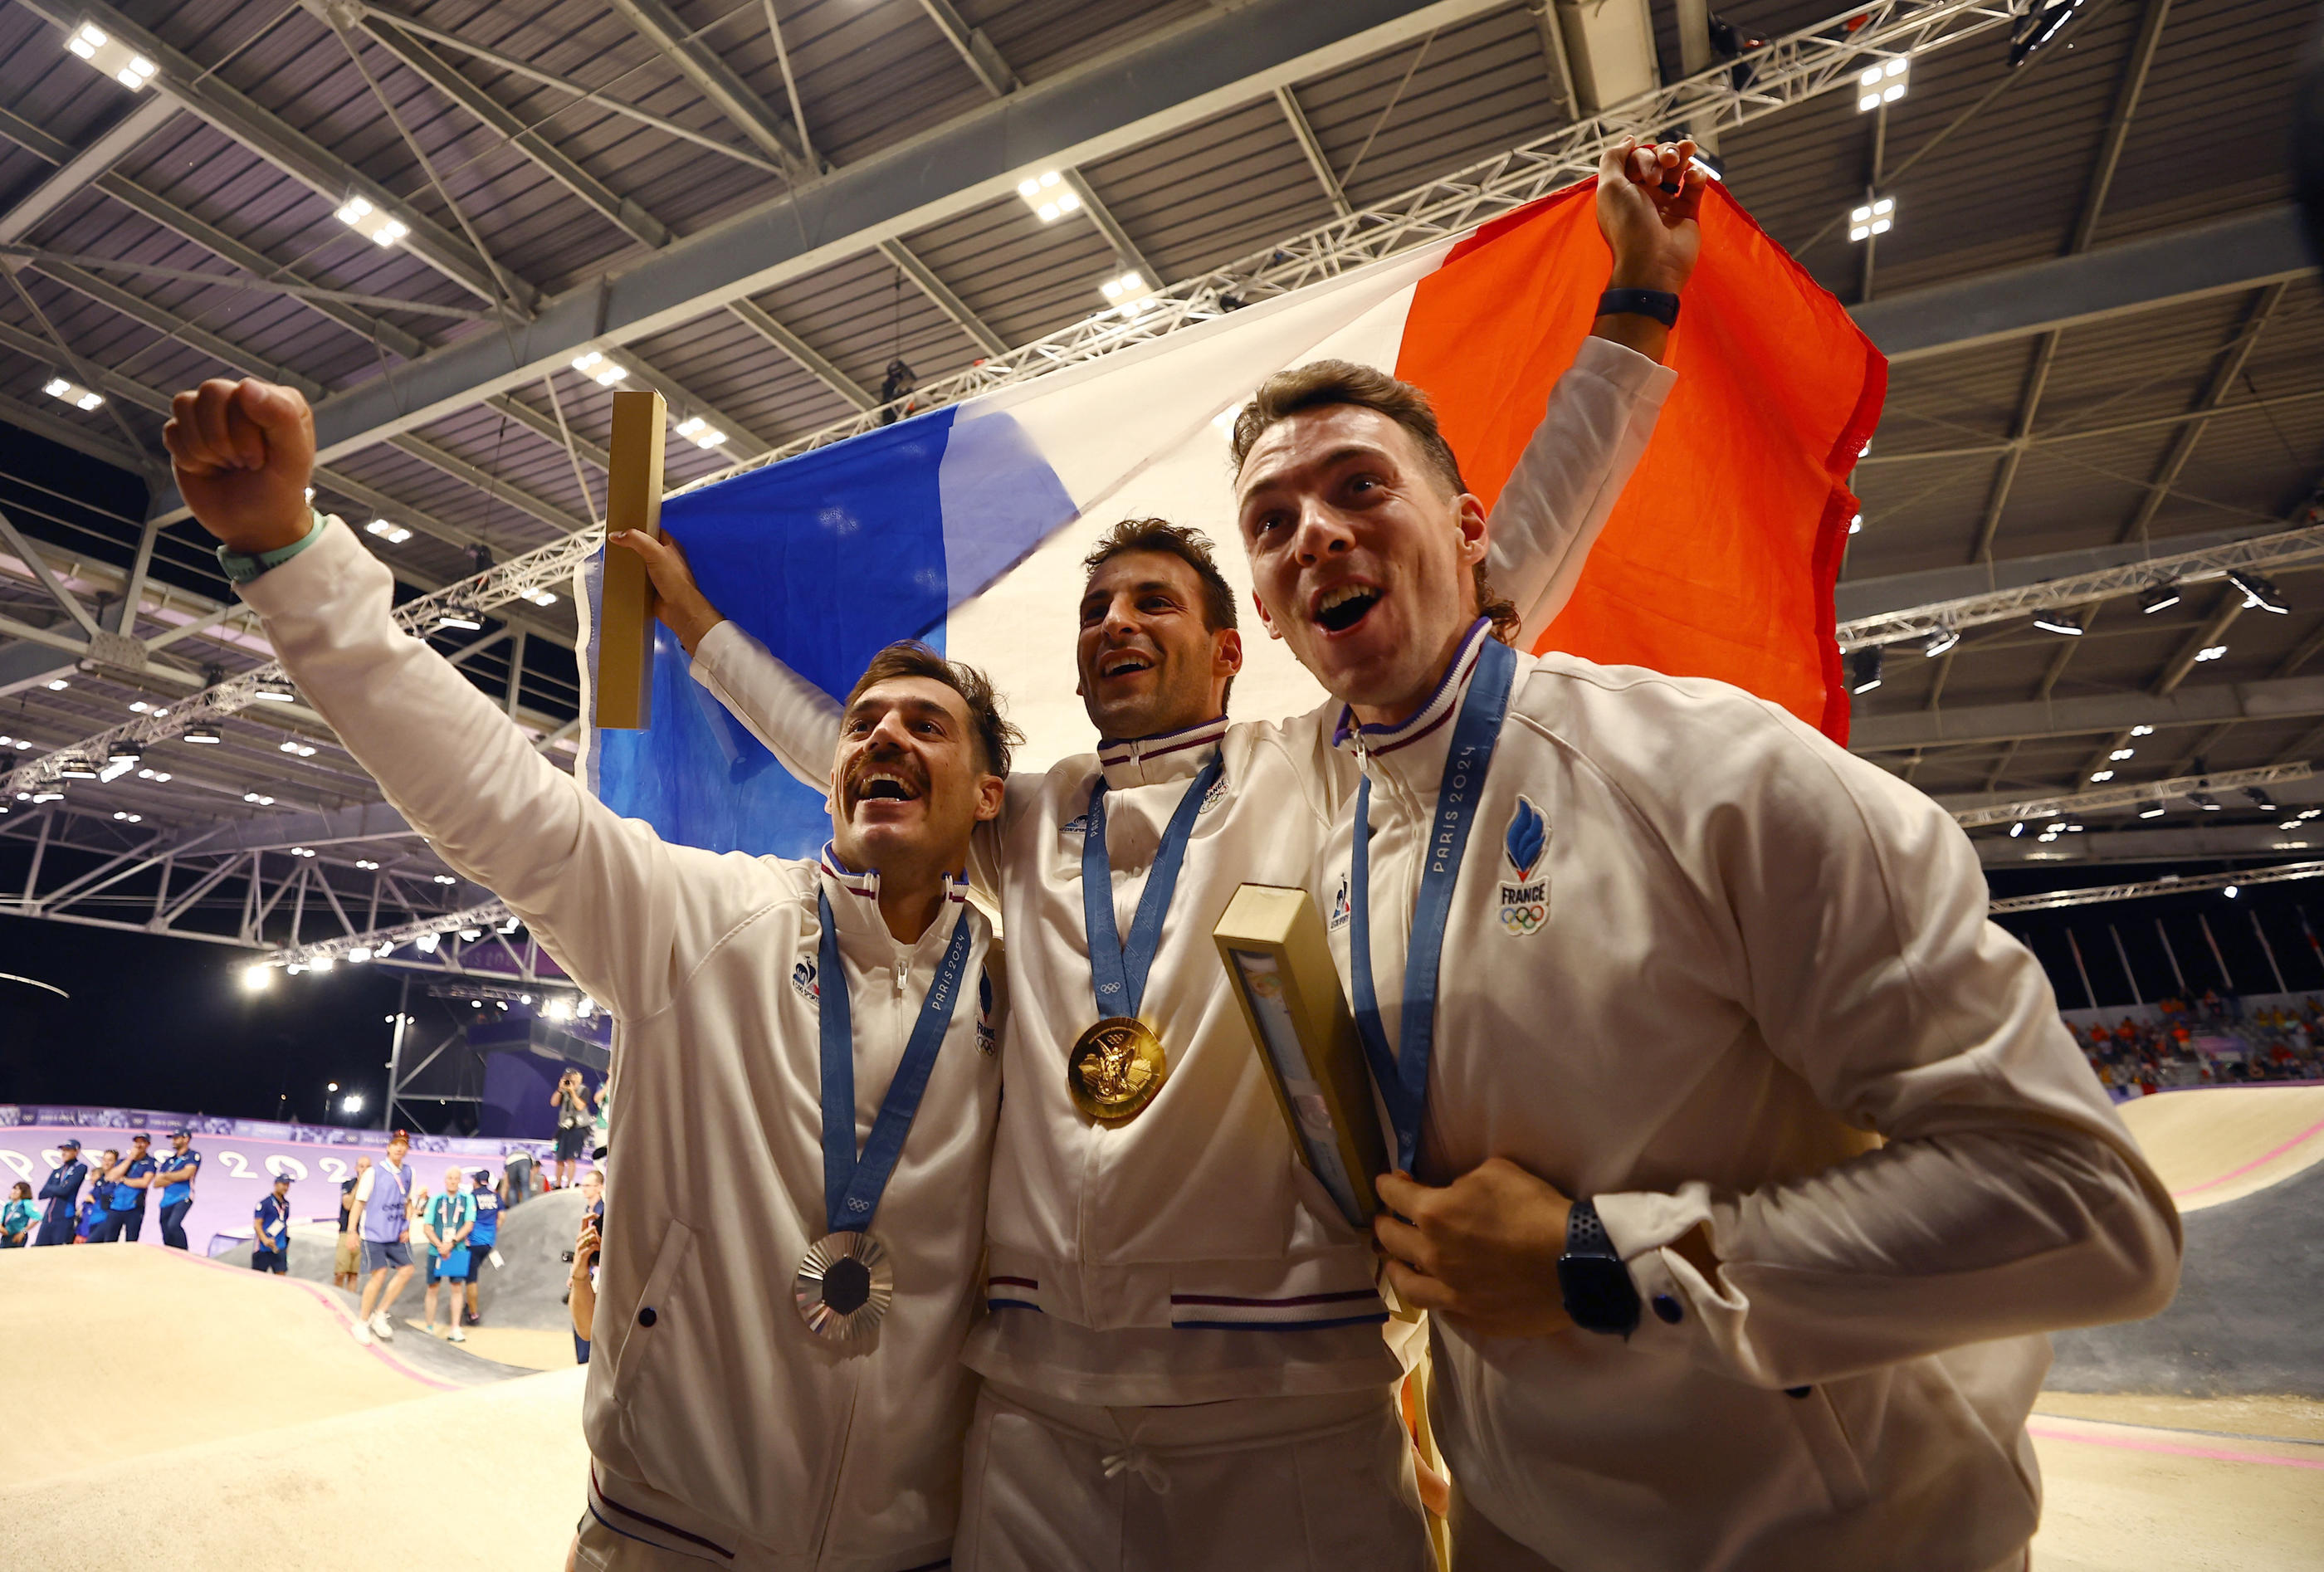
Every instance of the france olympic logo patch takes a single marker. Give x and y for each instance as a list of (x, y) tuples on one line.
[(1524, 904)]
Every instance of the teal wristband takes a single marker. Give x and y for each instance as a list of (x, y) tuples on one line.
[(241, 568)]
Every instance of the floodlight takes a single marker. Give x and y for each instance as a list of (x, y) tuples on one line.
[(2017, 829), (2041, 21), (58, 684), (110, 55), (2141, 731), (2230, 891), (2153, 812), (2056, 625), (275, 690), (352, 1103), (73, 767), (446, 879), (392, 533), (1875, 216), (558, 1010), (257, 978), (700, 433), (1856, 525), (2258, 794), (71, 393), (1129, 293), (1048, 195), (426, 944), (1881, 84), (373, 224), (2213, 653), (600, 367), (538, 596), (320, 964), (458, 617), (511, 926), (362, 952), (2119, 754), (2259, 592), (127, 818), (201, 731), (2161, 597), (470, 935), (302, 851), (1943, 639), (1864, 670), (2101, 776), (366, 863)]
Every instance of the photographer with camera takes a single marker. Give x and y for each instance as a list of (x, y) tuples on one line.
[(571, 1100)]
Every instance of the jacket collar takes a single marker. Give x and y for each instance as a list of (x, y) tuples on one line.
[(1413, 750), (1177, 755), (855, 900)]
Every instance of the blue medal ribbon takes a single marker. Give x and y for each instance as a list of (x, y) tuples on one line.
[(1402, 1076), (852, 1185), (1118, 970)]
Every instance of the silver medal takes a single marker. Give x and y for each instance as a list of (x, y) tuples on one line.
[(844, 1285)]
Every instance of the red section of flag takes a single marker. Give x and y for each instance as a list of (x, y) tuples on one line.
[(1719, 559)]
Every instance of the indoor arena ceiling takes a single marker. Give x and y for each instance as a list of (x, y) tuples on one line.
[(2105, 346)]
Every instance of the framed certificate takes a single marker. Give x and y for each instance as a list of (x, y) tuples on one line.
[(1272, 943)]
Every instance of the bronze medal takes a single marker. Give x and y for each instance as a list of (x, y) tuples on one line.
[(1115, 1068)]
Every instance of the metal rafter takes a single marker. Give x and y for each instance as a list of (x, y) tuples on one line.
[(2100, 801), (2170, 884), (2212, 403), (717, 82), (2302, 544), (290, 149), (82, 166), (1313, 147), (2216, 703)]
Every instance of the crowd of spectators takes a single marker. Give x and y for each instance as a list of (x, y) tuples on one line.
[(2205, 1041), (101, 1202)]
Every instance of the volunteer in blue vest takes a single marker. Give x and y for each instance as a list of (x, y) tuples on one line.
[(1184, 1366), (270, 1243), (382, 1196), (776, 1380), (1743, 1162), (178, 1172), (483, 1237), (96, 1207), (130, 1178), (444, 1225), (58, 1192)]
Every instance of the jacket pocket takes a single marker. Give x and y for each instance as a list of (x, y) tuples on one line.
[(642, 1337), (1836, 1459)]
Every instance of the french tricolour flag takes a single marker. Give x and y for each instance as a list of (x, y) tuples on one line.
[(965, 526)]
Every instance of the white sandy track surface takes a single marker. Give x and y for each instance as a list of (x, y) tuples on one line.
[(2214, 1145), (250, 1430)]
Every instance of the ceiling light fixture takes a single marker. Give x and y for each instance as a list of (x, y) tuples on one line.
[(2141, 731), (392, 533), (1877, 217), (379, 227), (2161, 597), (2153, 812), (1864, 670), (2052, 626), (201, 731), (1943, 639), (110, 55), (2101, 776), (71, 393), (700, 433), (1884, 84), (538, 596), (1048, 195), (2259, 592), (1129, 294), (2213, 653), (600, 368)]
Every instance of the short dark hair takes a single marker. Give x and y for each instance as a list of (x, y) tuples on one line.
[(1320, 383), (995, 737), (1190, 546)]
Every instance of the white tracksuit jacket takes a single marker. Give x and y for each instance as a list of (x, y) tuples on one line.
[(1188, 1256), (714, 1416), (1762, 959)]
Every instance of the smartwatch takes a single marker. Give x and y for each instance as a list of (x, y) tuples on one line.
[(1599, 1296)]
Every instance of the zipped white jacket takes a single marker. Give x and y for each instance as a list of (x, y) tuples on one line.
[(1707, 968), (715, 1419), (1188, 1256)]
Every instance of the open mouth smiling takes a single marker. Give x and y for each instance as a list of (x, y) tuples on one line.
[(880, 785), (1123, 663), (1339, 609)]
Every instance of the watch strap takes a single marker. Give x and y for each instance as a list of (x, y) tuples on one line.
[(1586, 1235), (242, 567), (1659, 304)]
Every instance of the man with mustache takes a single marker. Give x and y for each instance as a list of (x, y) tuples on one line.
[(777, 1379), (1744, 1162), (1184, 1363)]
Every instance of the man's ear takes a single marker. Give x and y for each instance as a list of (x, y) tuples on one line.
[(990, 791), (1226, 651), (1475, 534), (1265, 620)]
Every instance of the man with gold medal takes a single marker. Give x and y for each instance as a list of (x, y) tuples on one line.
[(1183, 1361)]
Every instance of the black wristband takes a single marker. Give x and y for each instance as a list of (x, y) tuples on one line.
[(1659, 304)]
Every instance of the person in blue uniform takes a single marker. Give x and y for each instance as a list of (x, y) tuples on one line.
[(177, 1174), (97, 1207), (270, 1243), (482, 1237), (61, 1190), (130, 1178)]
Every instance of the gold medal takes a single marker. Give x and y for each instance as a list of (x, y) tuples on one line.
[(1115, 1068)]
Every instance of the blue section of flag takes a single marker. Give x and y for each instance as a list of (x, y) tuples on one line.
[(826, 558)]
